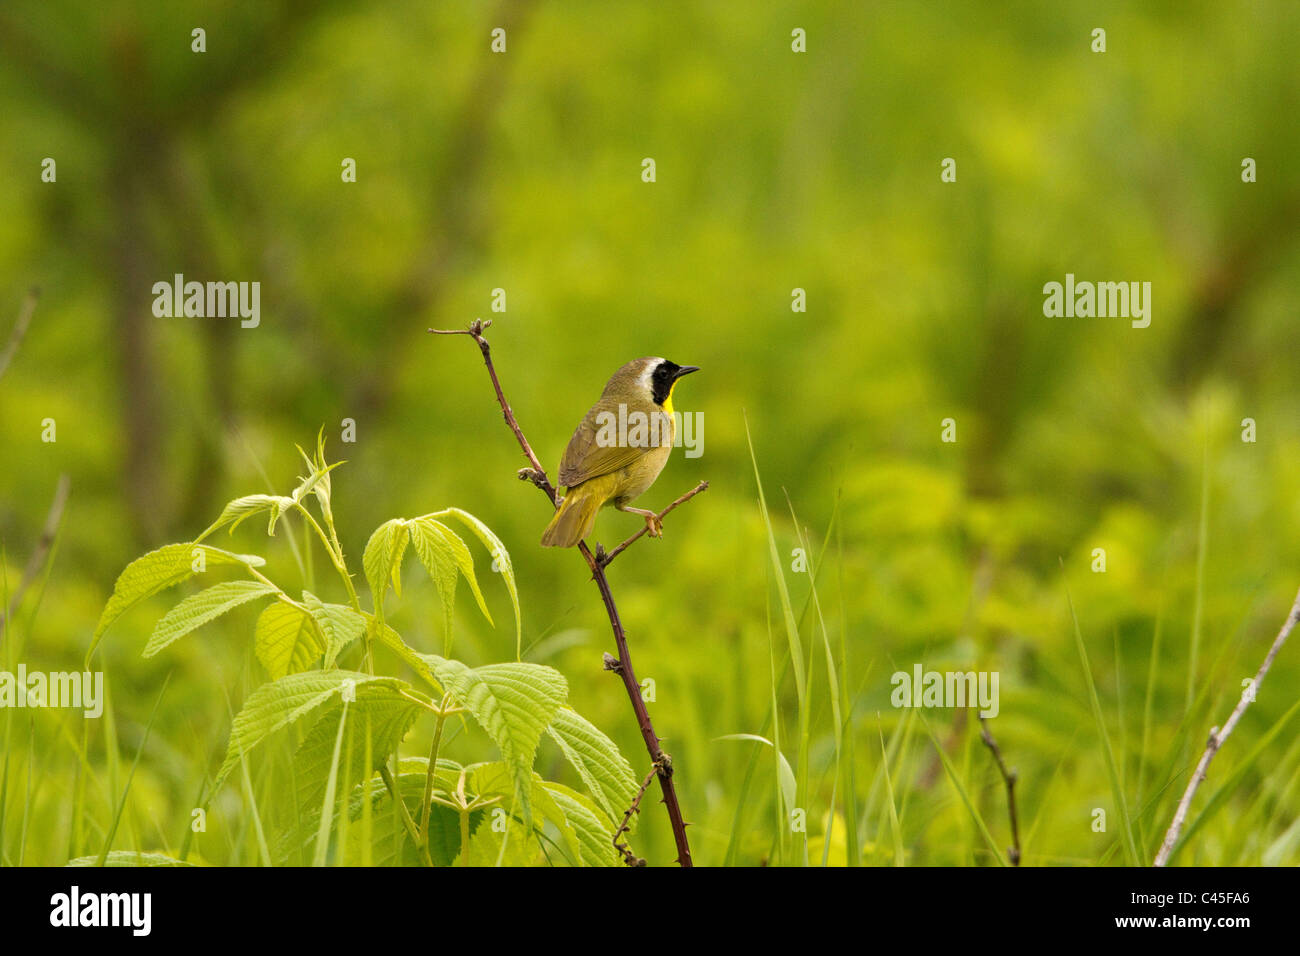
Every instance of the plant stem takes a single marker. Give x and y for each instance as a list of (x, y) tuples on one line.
[(405, 814), (464, 836), (426, 805), (335, 553)]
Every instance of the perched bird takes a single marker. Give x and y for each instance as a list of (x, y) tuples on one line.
[(618, 450)]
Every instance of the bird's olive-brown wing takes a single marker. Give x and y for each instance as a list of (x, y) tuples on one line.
[(586, 457)]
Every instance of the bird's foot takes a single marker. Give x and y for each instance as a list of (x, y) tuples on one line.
[(653, 524)]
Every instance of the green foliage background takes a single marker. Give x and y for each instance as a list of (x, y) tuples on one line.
[(774, 171)]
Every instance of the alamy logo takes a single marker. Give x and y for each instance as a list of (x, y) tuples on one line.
[(74, 908), (638, 429), (75, 690), (1126, 300), (924, 688), (213, 300)]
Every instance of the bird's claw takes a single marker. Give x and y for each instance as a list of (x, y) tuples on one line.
[(654, 526)]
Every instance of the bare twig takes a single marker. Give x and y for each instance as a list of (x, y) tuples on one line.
[(46, 541), (621, 665), (630, 858), (1009, 778), (1218, 736), (19, 329), (605, 559)]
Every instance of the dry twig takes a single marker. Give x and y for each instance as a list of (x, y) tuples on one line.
[(19, 330), (1218, 736), (53, 519), (605, 559), (1009, 777)]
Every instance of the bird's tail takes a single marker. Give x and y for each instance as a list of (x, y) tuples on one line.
[(573, 519)]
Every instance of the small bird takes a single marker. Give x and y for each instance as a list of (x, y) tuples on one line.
[(618, 450)]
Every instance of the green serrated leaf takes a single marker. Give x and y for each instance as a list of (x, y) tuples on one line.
[(603, 769), (340, 625), (436, 555), (385, 635), (379, 710), (514, 703), (498, 779), (237, 511), (446, 557), (287, 638), (278, 704), (158, 570), (501, 561), (463, 559), (594, 837), (382, 560), (199, 609), (485, 845)]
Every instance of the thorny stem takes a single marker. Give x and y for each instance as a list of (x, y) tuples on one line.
[(335, 552), (622, 665), (1009, 778), (336, 556), (630, 858), (1218, 736)]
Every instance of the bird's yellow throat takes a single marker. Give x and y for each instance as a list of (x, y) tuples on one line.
[(668, 402)]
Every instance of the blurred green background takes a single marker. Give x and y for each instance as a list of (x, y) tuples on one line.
[(775, 171)]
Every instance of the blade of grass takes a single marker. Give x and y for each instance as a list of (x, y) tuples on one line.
[(1202, 539), (345, 815), (27, 791), (1148, 707), (327, 805), (832, 679), (785, 775), (894, 827), (1117, 792), (978, 820), (794, 642), (850, 772), (121, 804)]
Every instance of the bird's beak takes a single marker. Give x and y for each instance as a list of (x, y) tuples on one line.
[(685, 370)]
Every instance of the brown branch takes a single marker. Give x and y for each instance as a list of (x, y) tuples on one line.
[(621, 665), (46, 541), (1009, 778), (604, 559), (1217, 737)]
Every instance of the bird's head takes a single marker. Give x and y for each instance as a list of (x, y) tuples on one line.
[(650, 379)]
